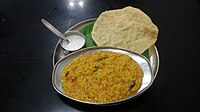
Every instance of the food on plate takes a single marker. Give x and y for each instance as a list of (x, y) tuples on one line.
[(128, 28), (102, 76)]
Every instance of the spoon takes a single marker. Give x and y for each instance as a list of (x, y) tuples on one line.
[(72, 41), (54, 30)]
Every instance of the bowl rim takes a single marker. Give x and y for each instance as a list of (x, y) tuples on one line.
[(69, 33)]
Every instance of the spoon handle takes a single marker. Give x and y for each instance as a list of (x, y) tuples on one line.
[(53, 29)]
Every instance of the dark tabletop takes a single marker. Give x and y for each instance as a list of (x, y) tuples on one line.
[(26, 52)]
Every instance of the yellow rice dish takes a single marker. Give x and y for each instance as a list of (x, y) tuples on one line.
[(101, 77)]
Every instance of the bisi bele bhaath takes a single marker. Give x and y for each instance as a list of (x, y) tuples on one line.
[(101, 77)]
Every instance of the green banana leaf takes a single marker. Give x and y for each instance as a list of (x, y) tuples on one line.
[(86, 31)]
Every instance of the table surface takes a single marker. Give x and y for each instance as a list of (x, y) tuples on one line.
[(26, 52)]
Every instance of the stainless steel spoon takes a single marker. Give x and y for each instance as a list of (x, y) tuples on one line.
[(54, 30)]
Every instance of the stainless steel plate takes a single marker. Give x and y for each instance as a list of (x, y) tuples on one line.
[(141, 60), (58, 53)]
